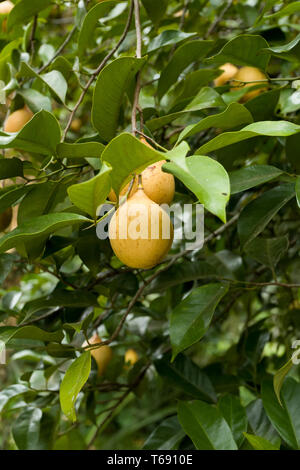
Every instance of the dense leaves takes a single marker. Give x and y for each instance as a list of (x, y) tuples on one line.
[(202, 350)]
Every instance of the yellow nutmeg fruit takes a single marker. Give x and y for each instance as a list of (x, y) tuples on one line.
[(102, 355), (131, 357), (249, 74), (140, 232), (18, 119), (5, 9), (229, 70), (157, 184)]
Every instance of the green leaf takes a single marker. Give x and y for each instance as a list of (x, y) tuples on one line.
[(297, 188), (285, 11), (245, 49), (259, 443), (205, 425), (167, 435), (35, 100), (184, 56), (289, 51), (11, 194), (285, 418), (260, 424), (279, 377), (206, 178), (40, 135), (26, 429), (24, 10), (267, 128), (168, 38), (89, 195), (234, 115), (54, 80), (251, 176), (256, 215), (268, 251), (84, 150), (185, 375), (155, 9), (180, 273), (191, 318), (73, 381), (91, 21), (110, 87), (7, 333), (205, 99), (9, 168), (11, 392), (128, 155), (41, 226), (235, 415)]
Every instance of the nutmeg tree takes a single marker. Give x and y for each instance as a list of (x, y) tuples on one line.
[(120, 344)]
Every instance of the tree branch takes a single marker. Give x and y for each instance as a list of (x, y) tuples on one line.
[(98, 70), (136, 106)]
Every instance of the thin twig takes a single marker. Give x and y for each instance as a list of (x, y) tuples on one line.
[(138, 30), (32, 36), (60, 49), (217, 20), (98, 70)]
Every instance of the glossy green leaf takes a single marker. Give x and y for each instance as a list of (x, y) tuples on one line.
[(245, 49), (24, 10), (168, 38), (155, 9), (268, 251), (89, 195), (206, 98), (9, 393), (206, 178), (110, 87), (256, 215), (166, 436), (8, 333), (26, 429), (285, 418), (11, 194), (185, 375), (259, 443), (128, 155), (10, 167), (80, 150), (285, 11), (192, 316), (205, 425), (280, 376), (40, 135), (73, 381), (251, 176), (234, 115), (289, 51), (91, 21), (54, 80), (189, 52), (35, 100), (235, 416), (41, 226), (266, 128)]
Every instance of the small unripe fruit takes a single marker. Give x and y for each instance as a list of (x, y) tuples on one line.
[(229, 70), (249, 74), (76, 125), (17, 120), (102, 355), (5, 9), (131, 357), (140, 232), (5, 219)]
